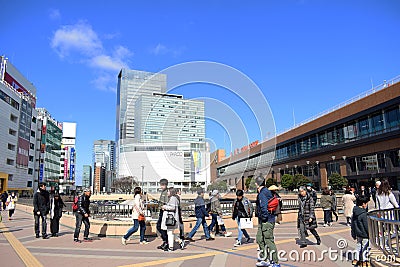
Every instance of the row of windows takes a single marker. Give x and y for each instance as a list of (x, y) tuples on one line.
[(358, 129), (6, 98)]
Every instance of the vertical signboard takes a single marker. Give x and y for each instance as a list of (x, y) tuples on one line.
[(41, 173), (65, 162), (72, 164)]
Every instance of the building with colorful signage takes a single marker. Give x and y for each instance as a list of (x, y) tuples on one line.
[(18, 126), (68, 158), (104, 152), (50, 148)]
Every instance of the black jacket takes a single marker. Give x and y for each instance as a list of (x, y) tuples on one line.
[(307, 212), (200, 207), (83, 204), (359, 223), (57, 205), (41, 202)]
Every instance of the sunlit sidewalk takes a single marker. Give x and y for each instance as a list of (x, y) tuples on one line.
[(336, 248)]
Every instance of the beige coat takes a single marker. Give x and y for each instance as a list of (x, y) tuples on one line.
[(348, 204)]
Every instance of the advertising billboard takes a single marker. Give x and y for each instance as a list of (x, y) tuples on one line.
[(41, 173), (72, 164), (66, 162), (23, 152)]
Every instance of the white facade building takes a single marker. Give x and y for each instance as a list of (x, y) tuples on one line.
[(68, 158)]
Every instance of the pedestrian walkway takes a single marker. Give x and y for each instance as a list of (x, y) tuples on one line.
[(26, 250)]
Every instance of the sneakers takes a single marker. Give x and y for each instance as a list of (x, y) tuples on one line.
[(210, 239), (303, 245), (263, 263), (248, 240), (238, 243), (77, 240), (87, 239), (123, 241), (45, 237), (212, 235), (330, 224), (144, 242), (228, 234), (182, 244), (325, 225), (37, 235), (355, 263), (318, 241)]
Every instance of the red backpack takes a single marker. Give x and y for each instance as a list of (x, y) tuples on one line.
[(75, 204), (273, 204)]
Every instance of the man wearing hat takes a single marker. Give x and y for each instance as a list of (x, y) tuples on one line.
[(266, 224), (215, 212), (312, 192), (163, 201), (201, 214), (82, 215)]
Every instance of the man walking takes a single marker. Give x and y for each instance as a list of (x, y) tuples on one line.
[(266, 224), (163, 201), (201, 214), (41, 207), (82, 215)]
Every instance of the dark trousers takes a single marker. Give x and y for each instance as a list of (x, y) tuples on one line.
[(10, 213), (44, 224), (214, 222), (327, 216), (302, 232), (162, 232), (55, 225), (79, 219)]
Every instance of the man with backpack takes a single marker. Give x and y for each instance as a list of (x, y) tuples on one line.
[(82, 215), (266, 224), (242, 208), (41, 207)]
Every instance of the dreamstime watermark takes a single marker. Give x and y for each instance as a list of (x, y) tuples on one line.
[(341, 253)]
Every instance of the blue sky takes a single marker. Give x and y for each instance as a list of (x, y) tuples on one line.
[(306, 56)]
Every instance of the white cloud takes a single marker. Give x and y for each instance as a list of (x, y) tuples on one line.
[(82, 43), (161, 49), (76, 38), (54, 14)]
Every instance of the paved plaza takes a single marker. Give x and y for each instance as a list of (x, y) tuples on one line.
[(19, 247)]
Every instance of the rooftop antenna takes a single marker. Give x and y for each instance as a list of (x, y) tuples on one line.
[(294, 119)]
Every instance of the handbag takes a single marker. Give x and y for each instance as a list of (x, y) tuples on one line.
[(141, 218), (170, 220), (246, 223)]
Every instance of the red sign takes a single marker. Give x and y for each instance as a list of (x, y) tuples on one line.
[(13, 83), (23, 152)]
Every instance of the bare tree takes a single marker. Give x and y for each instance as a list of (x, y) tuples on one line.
[(125, 184)]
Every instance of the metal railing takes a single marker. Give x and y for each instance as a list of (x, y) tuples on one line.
[(343, 104), (383, 227)]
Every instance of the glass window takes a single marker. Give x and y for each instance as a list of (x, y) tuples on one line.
[(381, 161), (314, 143), (350, 132), (392, 118), (322, 140), (339, 135), (363, 127), (377, 123), (395, 158), (361, 164), (352, 164), (330, 138)]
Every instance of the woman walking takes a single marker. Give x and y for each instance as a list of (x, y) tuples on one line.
[(137, 217), (348, 204), (11, 203), (385, 199), (326, 205), (56, 207), (170, 219)]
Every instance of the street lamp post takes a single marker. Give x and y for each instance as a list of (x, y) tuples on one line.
[(142, 177)]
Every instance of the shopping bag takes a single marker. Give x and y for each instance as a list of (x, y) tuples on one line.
[(220, 221), (246, 223)]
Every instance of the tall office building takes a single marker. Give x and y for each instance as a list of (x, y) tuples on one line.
[(104, 153), (161, 135), (18, 127), (68, 158), (50, 148), (99, 178), (87, 176), (131, 85)]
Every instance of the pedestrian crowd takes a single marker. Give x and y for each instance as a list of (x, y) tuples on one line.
[(267, 211)]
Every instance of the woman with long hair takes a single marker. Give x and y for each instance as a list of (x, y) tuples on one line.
[(348, 204), (138, 218), (171, 214), (385, 198)]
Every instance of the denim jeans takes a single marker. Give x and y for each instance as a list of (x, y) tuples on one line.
[(241, 231), (79, 219), (44, 224), (214, 222), (135, 227), (362, 249), (200, 221)]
